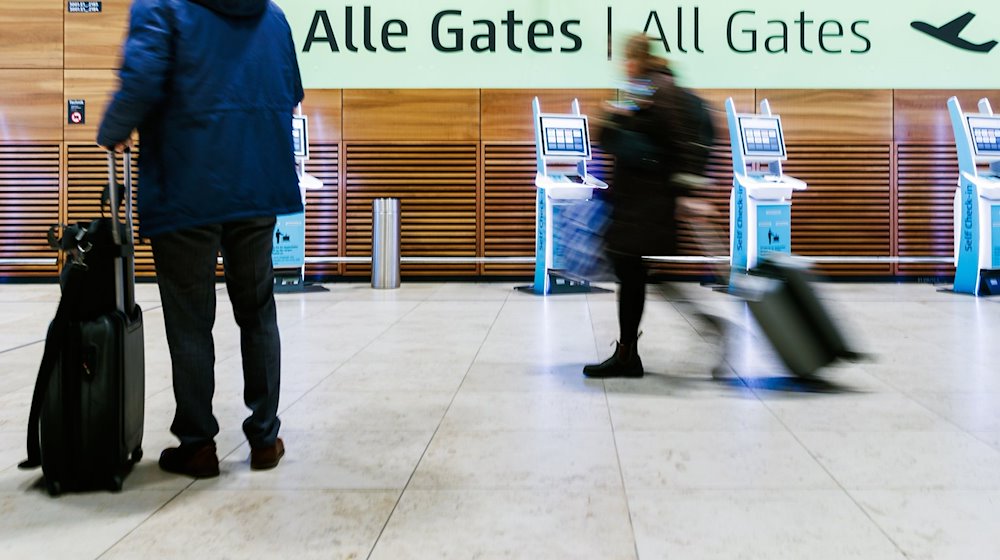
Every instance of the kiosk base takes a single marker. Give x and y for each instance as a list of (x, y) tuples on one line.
[(561, 282), (989, 282), (291, 282)]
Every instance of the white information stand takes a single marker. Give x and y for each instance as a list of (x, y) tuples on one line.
[(761, 202), (562, 144), (289, 251), (977, 200)]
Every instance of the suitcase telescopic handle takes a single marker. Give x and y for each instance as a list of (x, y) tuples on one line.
[(113, 197), (125, 263)]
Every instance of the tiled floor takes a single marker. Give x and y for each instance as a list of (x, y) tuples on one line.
[(451, 421)]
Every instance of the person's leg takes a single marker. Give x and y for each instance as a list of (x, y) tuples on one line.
[(625, 362), (631, 272), (185, 272), (246, 250)]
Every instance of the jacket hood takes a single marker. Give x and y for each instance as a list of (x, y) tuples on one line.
[(235, 8)]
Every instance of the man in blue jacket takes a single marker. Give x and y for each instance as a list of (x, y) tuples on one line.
[(211, 86)]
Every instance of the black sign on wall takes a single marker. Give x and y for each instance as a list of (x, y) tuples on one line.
[(76, 111), (84, 7)]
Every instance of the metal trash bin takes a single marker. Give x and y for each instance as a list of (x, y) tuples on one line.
[(385, 243)]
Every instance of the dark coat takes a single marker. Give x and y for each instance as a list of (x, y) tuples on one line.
[(211, 85), (648, 146)]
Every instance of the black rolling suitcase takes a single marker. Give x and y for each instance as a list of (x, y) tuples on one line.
[(86, 422), (795, 321)]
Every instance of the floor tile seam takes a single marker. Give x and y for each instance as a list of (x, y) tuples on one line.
[(352, 356), (841, 485), (145, 520), (938, 415), (970, 434), (977, 434), (321, 381), (621, 473), (441, 421), (42, 340), (204, 488), (614, 438)]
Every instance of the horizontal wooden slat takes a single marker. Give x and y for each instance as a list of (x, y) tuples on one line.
[(87, 176), (29, 205), (927, 179), (436, 186), (323, 214), (846, 210)]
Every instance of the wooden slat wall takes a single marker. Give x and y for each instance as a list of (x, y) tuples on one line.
[(509, 218), (437, 188), (29, 197), (926, 181), (927, 175), (845, 209), (323, 208), (87, 176)]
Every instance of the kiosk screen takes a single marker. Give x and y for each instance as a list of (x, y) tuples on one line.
[(300, 140), (565, 136), (985, 135), (762, 137)]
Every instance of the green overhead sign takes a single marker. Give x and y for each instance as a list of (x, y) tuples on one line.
[(578, 43)]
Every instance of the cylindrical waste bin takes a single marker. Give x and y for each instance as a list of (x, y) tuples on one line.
[(385, 243)]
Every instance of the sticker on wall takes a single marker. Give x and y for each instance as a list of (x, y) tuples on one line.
[(85, 7), (77, 111)]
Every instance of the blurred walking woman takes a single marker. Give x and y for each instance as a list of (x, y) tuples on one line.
[(647, 136)]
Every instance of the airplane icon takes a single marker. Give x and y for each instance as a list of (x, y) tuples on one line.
[(949, 33)]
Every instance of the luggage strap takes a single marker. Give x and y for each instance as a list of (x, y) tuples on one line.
[(54, 341)]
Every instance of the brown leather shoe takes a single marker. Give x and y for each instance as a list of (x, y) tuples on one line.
[(263, 458), (198, 461)]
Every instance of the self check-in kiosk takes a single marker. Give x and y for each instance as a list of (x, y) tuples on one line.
[(761, 201), (288, 254), (562, 144), (977, 201)]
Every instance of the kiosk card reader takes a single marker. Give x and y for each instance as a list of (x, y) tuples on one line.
[(977, 200), (760, 203), (288, 254), (562, 146)]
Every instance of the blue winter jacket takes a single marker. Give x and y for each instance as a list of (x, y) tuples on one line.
[(211, 85)]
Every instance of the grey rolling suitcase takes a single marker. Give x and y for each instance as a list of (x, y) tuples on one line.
[(86, 422), (795, 321)]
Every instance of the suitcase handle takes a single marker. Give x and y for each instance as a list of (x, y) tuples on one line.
[(125, 263), (113, 197)]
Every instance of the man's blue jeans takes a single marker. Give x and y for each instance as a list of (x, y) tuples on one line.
[(185, 270)]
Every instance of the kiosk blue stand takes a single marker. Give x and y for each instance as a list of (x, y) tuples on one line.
[(288, 254), (562, 146), (760, 203), (977, 201)]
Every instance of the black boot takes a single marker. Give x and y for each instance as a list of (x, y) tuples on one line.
[(624, 362)]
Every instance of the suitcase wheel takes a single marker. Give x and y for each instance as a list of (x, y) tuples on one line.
[(53, 487), (136, 455), (116, 483)]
